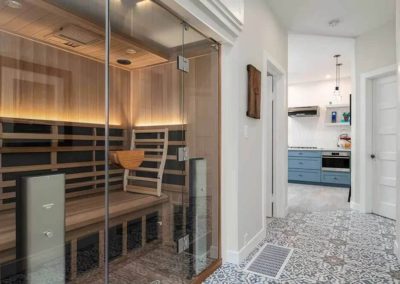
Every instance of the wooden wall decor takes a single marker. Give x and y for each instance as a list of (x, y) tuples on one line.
[(253, 92)]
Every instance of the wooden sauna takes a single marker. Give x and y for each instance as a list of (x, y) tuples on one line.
[(52, 121)]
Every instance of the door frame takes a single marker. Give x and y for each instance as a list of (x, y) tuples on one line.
[(362, 163), (277, 169)]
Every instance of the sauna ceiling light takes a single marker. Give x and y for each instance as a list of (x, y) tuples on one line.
[(124, 62), (131, 51), (13, 4)]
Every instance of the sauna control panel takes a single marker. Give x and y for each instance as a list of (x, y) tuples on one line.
[(40, 228)]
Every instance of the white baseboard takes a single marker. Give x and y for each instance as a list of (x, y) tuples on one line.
[(396, 250), (236, 257), (355, 206)]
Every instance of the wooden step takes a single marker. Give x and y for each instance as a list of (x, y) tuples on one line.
[(149, 141), (142, 189), (169, 157), (143, 169), (152, 159), (175, 172), (161, 130), (151, 149), (142, 178)]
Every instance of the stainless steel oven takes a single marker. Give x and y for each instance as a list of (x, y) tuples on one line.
[(336, 161)]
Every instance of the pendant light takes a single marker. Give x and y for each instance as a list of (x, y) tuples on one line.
[(337, 97)]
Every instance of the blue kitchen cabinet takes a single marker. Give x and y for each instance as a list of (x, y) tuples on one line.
[(305, 166), (337, 178), (304, 175)]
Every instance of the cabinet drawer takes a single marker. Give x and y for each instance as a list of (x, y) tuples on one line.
[(336, 178), (306, 176), (306, 163), (309, 154)]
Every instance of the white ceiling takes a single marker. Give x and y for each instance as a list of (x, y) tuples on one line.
[(313, 16), (311, 57)]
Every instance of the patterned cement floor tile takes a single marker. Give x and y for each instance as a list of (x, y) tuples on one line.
[(329, 247)]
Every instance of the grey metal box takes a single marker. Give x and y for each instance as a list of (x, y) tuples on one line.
[(41, 228)]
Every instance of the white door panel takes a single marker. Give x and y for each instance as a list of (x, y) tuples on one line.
[(384, 144)]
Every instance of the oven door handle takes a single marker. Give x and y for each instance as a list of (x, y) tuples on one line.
[(336, 157), (343, 170)]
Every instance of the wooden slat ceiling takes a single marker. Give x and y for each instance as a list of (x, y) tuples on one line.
[(37, 19)]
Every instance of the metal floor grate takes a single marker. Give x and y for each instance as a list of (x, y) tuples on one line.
[(270, 261)]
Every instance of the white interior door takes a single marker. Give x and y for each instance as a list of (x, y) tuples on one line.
[(384, 145)]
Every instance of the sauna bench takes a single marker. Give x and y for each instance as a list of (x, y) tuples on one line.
[(86, 215)]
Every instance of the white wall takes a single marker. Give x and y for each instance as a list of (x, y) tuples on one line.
[(312, 131), (259, 39), (397, 249), (374, 50), (243, 222)]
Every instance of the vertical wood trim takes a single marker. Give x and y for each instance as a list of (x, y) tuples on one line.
[(143, 230), (94, 157), (54, 144), (74, 258), (1, 162), (125, 238), (101, 248)]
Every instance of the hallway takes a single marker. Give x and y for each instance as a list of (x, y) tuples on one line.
[(329, 247), (315, 198)]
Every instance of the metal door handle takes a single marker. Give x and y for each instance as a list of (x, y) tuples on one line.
[(373, 156)]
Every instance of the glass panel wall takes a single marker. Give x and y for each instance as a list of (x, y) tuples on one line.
[(162, 140), (151, 231), (51, 143)]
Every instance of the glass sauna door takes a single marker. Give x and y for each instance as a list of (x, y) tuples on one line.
[(52, 131), (169, 233), (201, 118), (153, 230)]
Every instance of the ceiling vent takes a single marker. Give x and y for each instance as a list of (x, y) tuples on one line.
[(74, 36)]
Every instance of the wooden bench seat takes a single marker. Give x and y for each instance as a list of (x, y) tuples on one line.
[(86, 211)]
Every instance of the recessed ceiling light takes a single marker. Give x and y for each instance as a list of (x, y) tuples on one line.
[(15, 4), (131, 51), (124, 62), (333, 23)]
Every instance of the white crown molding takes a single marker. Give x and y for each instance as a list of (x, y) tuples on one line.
[(232, 20), (211, 17)]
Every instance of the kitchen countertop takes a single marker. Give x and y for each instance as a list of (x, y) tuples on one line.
[(320, 149)]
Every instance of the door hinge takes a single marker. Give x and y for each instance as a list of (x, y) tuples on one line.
[(183, 154), (183, 64)]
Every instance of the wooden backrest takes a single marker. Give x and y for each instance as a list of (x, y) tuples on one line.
[(30, 147)]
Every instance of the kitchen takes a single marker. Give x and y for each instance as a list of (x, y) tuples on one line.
[(319, 122)]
